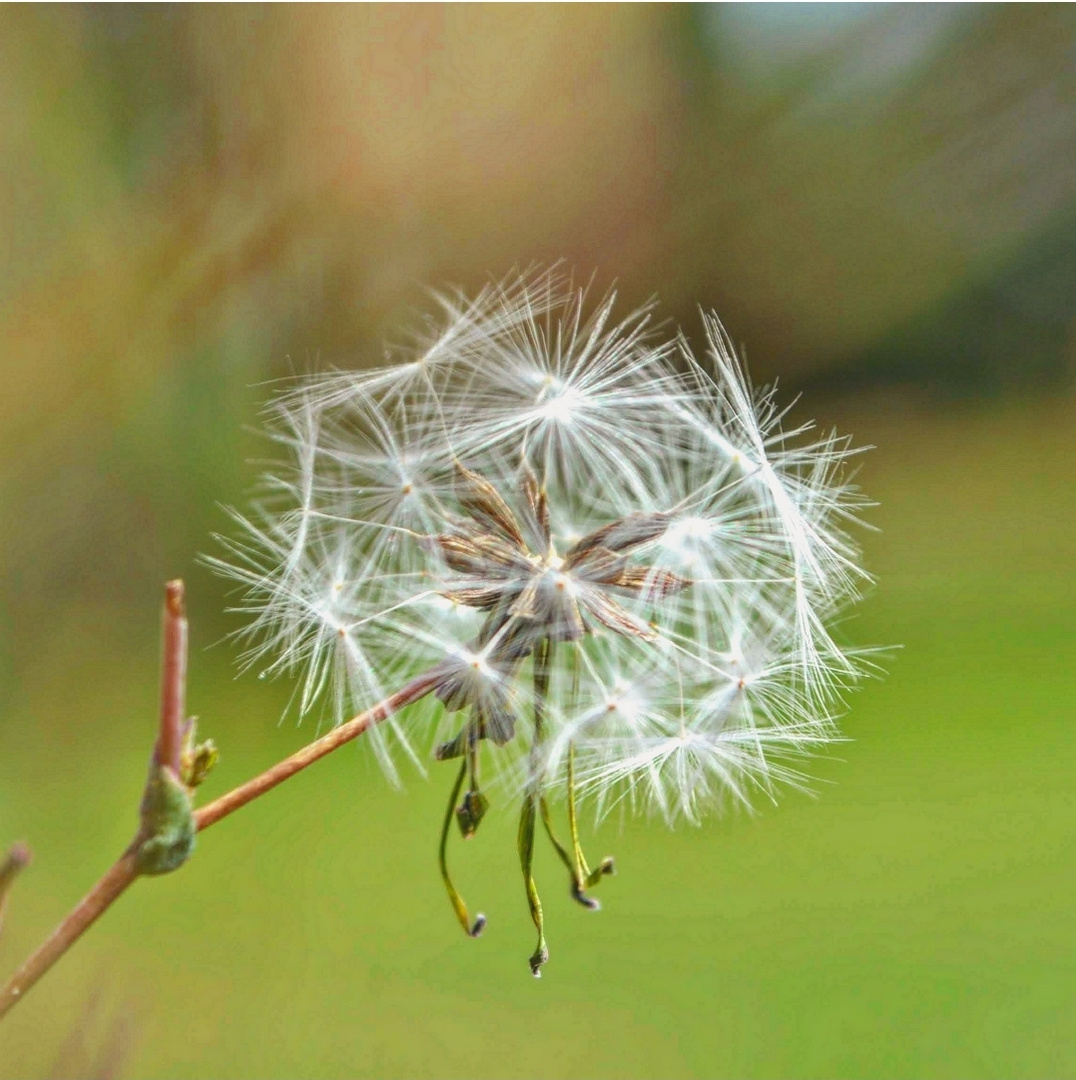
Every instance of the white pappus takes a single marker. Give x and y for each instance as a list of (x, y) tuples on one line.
[(621, 570)]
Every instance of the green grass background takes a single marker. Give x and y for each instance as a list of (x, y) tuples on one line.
[(914, 919)]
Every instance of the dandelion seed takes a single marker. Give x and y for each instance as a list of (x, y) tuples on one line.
[(619, 569)]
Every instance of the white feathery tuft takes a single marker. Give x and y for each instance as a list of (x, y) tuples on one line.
[(684, 556)]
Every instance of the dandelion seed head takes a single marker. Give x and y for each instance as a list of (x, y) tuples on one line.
[(531, 469)]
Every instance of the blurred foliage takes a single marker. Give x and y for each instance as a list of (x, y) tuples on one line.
[(861, 169), (198, 199)]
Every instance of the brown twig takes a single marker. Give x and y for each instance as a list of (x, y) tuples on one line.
[(125, 869), (173, 677), (227, 804), (77, 922)]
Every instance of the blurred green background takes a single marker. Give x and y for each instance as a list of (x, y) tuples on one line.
[(880, 202)]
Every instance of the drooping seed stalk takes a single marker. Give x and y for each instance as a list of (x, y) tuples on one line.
[(583, 874), (471, 929), (582, 870), (580, 875), (588, 878), (472, 810), (532, 800), (564, 855), (576, 883), (579, 869), (473, 761)]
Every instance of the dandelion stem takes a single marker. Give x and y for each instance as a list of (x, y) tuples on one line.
[(227, 804)]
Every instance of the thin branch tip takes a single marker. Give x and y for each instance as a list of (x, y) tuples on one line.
[(17, 859), (173, 702), (18, 856), (174, 598)]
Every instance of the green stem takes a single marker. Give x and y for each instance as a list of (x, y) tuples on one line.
[(575, 877), (586, 877), (532, 799), (526, 859), (469, 928), (580, 876)]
